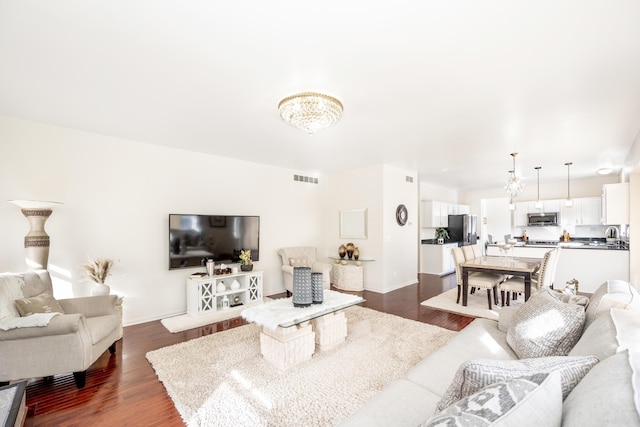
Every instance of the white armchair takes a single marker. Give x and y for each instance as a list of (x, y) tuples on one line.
[(303, 257), (70, 342)]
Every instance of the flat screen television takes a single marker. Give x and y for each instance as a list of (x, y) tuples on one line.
[(195, 238)]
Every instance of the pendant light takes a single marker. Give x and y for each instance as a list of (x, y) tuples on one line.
[(538, 201), (514, 185), (568, 203), (512, 206)]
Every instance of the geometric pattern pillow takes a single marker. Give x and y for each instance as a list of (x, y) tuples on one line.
[(474, 375), (43, 303), (545, 326), (533, 400), (299, 262)]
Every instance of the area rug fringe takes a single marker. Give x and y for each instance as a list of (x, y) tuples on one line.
[(222, 379)]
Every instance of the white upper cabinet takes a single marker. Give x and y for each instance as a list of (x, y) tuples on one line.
[(616, 203), (585, 211), (436, 214)]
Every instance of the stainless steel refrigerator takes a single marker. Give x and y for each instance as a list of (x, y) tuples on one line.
[(463, 229)]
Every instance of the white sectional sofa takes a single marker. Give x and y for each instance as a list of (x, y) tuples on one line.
[(603, 393)]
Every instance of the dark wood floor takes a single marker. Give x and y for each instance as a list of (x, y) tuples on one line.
[(123, 389)]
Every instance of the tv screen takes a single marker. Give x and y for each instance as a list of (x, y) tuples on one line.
[(194, 238)]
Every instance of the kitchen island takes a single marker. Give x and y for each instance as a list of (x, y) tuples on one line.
[(591, 263)]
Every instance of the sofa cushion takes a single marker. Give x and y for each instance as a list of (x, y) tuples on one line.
[(100, 327), (605, 396), (301, 261), (401, 403), (43, 303), (481, 339), (599, 339), (530, 400), (11, 286), (545, 326), (612, 294), (473, 375)]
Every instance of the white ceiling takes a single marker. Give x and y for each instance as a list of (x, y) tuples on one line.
[(445, 88)]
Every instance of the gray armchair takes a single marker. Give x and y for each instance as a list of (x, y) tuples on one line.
[(71, 342), (303, 257)]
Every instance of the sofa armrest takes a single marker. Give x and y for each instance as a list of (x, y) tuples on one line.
[(287, 269), (100, 305), (59, 325)]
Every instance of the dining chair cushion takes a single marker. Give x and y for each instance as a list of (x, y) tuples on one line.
[(476, 374), (527, 400), (545, 326)]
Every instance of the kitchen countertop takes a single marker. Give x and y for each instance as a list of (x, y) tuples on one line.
[(574, 244)]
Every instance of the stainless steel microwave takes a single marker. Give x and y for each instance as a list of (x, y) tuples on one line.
[(540, 219)]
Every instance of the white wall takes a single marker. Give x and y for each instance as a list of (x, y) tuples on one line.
[(117, 195)]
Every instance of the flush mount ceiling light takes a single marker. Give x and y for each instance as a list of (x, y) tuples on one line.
[(310, 111), (605, 171), (568, 202), (538, 201), (514, 185)]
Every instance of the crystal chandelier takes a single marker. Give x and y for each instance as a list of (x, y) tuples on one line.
[(310, 111), (514, 185)]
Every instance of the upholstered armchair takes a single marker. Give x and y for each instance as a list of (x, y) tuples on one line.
[(303, 257), (69, 342)]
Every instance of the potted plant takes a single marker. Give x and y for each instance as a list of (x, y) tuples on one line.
[(97, 271), (245, 260), (441, 235)]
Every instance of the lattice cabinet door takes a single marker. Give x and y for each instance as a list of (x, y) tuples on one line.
[(255, 287), (207, 295)]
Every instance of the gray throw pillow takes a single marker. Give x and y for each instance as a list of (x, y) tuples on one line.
[(474, 375), (545, 326), (532, 400)]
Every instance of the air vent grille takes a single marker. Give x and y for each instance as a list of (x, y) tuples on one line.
[(302, 178), (409, 178)]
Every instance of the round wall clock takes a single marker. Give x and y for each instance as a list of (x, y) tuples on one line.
[(401, 215)]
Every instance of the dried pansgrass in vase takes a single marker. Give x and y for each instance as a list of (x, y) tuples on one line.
[(98, 270)]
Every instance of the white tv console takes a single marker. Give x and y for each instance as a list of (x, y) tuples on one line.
[(203, 296)]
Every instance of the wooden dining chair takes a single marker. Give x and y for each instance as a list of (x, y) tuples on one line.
[(476, 280)]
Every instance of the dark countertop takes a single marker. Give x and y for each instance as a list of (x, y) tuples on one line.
[(435, 242), (576, 244)]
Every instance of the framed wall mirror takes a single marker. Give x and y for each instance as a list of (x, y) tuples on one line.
[(353, 224)]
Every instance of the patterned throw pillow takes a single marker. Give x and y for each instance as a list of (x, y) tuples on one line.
[(532, 400), (545, 326), (43, 303), (474, 375), (299, 262)]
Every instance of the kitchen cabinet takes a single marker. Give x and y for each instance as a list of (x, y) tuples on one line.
[(584, 211), (437, 259), (520, 218), (616, 203), (436, 214), (591, 267)]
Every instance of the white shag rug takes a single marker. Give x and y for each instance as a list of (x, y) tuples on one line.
[(184, 321), (223, 380), (477, 305)]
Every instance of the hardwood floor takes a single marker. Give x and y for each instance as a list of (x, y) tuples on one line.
[(122, 389)]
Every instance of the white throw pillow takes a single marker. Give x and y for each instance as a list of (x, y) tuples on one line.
[(545, 326), (535, 400), (299, 262)]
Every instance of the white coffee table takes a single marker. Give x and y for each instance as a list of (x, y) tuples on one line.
[(290, 335)]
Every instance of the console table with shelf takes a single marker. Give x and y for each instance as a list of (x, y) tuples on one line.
[(350, 275), (203, 296)]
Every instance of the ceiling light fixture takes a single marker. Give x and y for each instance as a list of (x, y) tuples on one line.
[(538, 201), (310, 111), (514, 185), (568, 202), (605, 171)]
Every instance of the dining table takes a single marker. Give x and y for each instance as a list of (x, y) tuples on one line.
[(512, 266)]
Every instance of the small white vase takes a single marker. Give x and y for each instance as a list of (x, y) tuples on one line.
[(100, 289)]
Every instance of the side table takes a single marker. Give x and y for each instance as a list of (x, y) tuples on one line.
[(348, 275)]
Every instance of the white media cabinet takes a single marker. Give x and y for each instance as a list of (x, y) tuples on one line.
[(203, 296)]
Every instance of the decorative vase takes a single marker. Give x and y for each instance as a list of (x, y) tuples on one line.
[(235, 285), (317, 290), (342, 251), (440, 240), (100, 289), (246, 267), (356, 253), (350, 248), (302, 296), (221, 287)]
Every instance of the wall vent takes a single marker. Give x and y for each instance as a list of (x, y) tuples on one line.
[(309, 179), (409, 178)]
